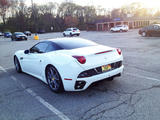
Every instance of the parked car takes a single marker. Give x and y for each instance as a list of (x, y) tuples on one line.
[(151, 30), (18, 36), (41, 31), (28, 33), (64, 64), (7, 34), (1, 34), (120, 28), (71, 32)]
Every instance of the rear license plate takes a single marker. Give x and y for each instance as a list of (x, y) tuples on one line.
[(106, 68)]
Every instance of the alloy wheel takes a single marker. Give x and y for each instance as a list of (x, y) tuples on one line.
[(53, 79)]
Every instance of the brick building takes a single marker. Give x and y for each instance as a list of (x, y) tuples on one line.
[(105, 26)]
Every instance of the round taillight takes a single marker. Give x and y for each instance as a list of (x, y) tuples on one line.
[(119, 51), (80, 59)]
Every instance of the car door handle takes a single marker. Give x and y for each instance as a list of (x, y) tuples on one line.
[(21, 58)]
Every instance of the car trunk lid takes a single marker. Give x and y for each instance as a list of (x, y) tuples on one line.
[(95, 55)]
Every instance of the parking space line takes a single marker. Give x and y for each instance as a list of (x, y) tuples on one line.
[(15, 79), (41, 100), (9, 68), (49, 106), (140, 76), (1, 68)]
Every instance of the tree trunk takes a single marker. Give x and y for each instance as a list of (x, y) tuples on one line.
[(3, 18)]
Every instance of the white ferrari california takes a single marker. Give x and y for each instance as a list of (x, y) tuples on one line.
[(70, 64)]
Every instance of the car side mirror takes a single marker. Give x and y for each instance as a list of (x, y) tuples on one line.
[(26, 52)]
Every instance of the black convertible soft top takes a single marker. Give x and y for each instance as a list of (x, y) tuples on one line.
[(72, 43)]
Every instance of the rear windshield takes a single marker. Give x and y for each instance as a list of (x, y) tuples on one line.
[(75, 29), (73, 44), (119, 25), (27, 32), (68, 29), (19, 33)]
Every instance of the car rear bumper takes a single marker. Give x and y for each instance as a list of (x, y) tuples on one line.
[(75, 33), (7, 36), (86, 82), (102, 76), (21, 38)]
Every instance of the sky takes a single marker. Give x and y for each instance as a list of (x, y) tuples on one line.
[(108, 4)]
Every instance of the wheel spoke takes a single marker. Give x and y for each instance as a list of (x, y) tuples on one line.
[(56, 83), (51, 82), (54, 74), (49, 75)]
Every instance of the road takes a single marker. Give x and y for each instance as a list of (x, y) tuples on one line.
[(133, 96)]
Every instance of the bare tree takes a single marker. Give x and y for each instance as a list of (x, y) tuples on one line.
[(4, 7), (49, 8), (13, 7)]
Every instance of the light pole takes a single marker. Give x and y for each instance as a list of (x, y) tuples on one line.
[(34, 16), (32, 4)]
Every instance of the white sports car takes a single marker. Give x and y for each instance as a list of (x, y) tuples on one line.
[(70, 64)]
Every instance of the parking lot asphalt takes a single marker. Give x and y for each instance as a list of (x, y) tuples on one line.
[(133, 96)]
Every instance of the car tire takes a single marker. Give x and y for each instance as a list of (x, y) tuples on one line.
[(71, 34), (78, 34), (64, 34), (121, 30), (144, 34), (17, 65), (54, 79)]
